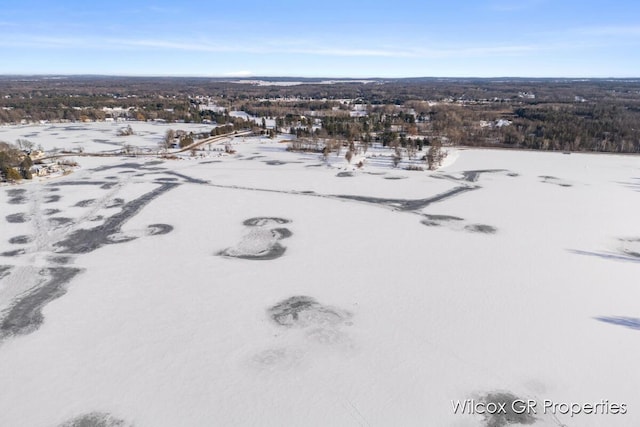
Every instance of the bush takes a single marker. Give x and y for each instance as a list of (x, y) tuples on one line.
[(12, 174), (126, 131)]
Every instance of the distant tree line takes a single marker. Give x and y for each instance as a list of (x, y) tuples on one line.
[(541, 114)]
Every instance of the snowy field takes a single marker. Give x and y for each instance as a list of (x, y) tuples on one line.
[(265, 288), (96, 137)]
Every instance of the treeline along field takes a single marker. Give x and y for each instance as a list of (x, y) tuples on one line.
[(541, 114)]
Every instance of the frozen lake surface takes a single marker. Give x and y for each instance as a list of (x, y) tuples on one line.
[(266, 288)]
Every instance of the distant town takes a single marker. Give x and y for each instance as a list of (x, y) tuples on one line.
[(406, 116)]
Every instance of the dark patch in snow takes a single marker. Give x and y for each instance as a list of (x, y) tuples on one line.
[(443, 217), (629, 322), (4, 270), (262, 221), (129, 165), (17, 218), (409, 205), (187, 178), (630, 247), (53, 198), (472, 176), (633, 184), (606, 255), (261, 242), (159, 229), (115, 203), (508, 415), (395, 177), (17, 196), (85, 203), (273, 251), (481, 228), (275, 162), (14, 253), (72, 128), (282, 233), (60, 259), (548, 179), (304, 311), (438, 220), (49, 212), (208, 162), (25, 315), (95, 419), (106, 141), (166, 179), (108, 185), (21, 240), (344, 174), (60, 220), (88, 240), (68, 183)]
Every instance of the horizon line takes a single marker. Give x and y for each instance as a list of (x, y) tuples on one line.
[(293, 77)]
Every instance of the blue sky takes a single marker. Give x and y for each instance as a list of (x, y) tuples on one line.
[(328, 38)]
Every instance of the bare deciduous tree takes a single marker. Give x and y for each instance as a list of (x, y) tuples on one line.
[(435, 155)]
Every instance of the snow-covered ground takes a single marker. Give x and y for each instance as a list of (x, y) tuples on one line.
[(266, 288), (96, 137)]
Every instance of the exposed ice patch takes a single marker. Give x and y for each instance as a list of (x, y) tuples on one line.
[(17, 196), (60, 221), (25, 314), (481, 228), (345, 174), (53, 198), (4, 270), (49, 212), (508, 413), (553, 180), (13, 253), (96, 419), (630, 247), (21, 240), (303, 311), (88, 240), (629, 322), (437, 220), (85, 203), (261, 242), (17, 218)]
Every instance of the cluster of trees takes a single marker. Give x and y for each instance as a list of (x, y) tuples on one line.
[(14, 163)]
